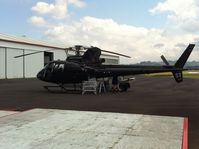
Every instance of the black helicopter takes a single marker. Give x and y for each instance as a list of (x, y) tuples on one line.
[(79, 68)]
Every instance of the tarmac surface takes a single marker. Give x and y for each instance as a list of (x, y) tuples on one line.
[(151, 96), (67, 129)]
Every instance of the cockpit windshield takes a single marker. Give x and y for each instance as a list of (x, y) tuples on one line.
[(55, 66)]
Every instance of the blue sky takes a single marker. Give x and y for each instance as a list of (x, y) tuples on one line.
[(144, 29), (14, 15)]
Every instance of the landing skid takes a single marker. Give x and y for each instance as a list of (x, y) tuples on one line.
[(62, 88)]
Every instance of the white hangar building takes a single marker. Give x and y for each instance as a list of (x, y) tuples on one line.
[(29, 66)]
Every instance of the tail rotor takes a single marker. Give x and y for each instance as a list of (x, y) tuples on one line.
[(179, 65)]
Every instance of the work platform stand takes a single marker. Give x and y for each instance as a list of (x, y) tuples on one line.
[(93, 86), (89, 86)]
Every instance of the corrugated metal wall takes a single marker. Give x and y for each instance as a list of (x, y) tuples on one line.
[(23, 67)]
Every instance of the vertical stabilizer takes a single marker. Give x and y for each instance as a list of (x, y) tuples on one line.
[(181, 62), (183, 59)]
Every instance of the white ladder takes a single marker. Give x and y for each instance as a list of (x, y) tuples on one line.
[(89, 86)]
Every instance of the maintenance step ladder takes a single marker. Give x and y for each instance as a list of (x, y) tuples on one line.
[(89, 86)]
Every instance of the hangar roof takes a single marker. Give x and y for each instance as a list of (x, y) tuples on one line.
[(29, 41), (42, 43)]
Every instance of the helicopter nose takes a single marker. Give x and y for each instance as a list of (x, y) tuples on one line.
[(40, 75)]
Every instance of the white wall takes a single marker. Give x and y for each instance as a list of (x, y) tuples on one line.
[(14, 65), (59, 54), (2, 63), (33, 64)]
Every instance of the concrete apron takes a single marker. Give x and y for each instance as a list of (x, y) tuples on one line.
[(65, 129)]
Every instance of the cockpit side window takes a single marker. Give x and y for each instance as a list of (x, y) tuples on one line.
[(58, 67), (61, 66), (55, 67)]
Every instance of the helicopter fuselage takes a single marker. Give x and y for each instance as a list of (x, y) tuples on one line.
[(62, 72)]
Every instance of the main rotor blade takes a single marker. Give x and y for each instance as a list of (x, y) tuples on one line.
[(116, 53), (28, 54), (108, 52), (39, 52)]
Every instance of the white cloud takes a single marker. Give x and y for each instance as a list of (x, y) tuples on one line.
[(58, 10), (183, 8), (138, 42), (182, 14), (78, 3), (43, 8), (38, 21)]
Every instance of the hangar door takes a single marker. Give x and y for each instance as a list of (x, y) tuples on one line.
[(14, 65), (32, 64), (2, 63)]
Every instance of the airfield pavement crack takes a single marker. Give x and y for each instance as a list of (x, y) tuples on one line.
[(125, 134)]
